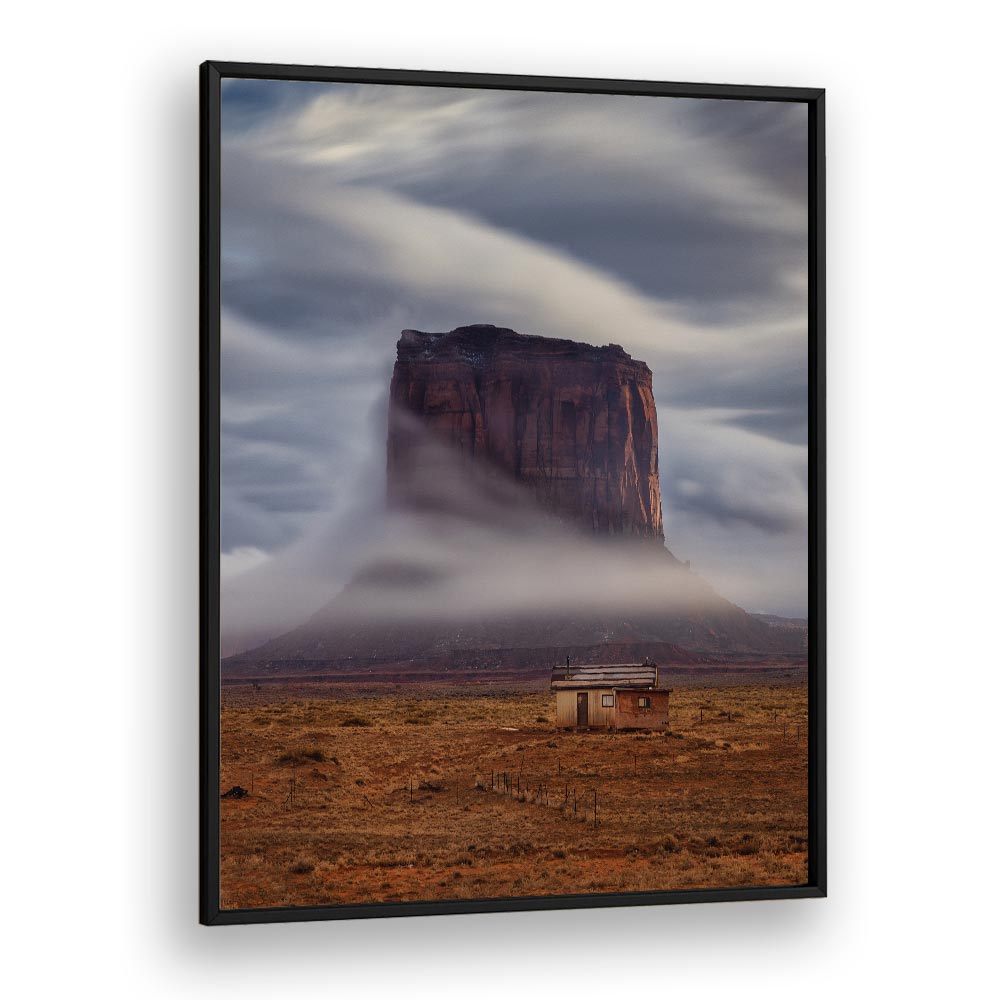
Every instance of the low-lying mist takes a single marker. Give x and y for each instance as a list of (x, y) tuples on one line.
[(459, 542)]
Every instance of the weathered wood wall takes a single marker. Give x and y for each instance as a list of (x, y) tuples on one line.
[(628, 715), (597, 716)]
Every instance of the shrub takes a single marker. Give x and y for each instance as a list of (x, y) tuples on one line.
[(669, 844), (356, 720), (300, 756), (302, 866)]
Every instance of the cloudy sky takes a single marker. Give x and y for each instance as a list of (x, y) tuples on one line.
[(674, 227)]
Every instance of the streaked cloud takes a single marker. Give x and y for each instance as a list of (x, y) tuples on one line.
[(674, 228)]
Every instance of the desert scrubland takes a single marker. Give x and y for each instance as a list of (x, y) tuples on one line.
[(400, 792)]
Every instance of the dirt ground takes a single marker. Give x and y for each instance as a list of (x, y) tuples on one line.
[(388, 793)]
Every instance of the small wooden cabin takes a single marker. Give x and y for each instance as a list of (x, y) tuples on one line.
[(610, 696)]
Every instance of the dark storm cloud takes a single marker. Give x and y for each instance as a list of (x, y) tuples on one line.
[(769, 399), (676, 228), (770, 137), (708, 265), (783, 425), (296, 498), (292, 428), (260, 479), (249, 103), (734, 512), (640, 223), (308, 304), (290, 272), (247, 525)]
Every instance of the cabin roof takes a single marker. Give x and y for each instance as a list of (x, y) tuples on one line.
[(604, 675)]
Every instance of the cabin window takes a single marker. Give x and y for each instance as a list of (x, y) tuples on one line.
[(607, 701), (643, 701)]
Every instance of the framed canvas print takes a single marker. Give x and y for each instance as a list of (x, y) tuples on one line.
[(512, 493)]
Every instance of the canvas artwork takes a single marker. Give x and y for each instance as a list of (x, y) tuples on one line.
[(516, 508)]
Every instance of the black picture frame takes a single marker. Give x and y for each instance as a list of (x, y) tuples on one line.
[(212, 74)]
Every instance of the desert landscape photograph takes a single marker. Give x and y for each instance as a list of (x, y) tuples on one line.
[(514, 494)]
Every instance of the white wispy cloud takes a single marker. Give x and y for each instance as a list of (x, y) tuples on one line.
[(360, 211)]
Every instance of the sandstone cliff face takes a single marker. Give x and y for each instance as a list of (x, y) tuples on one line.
[(574, 424)]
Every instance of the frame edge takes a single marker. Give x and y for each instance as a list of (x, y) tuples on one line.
[(211, 76), (817, 495), (513, 81), (209, 359)]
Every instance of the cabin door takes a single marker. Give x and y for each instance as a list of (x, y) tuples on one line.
[(582, 709)]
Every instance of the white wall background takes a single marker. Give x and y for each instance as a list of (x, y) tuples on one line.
[(100, 412)]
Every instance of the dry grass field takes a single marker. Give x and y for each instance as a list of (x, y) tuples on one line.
[(390, 793)]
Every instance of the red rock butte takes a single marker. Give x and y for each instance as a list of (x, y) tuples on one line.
[(574, 423), (574, 428)]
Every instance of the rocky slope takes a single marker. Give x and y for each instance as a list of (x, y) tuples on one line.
[(335, 643)]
